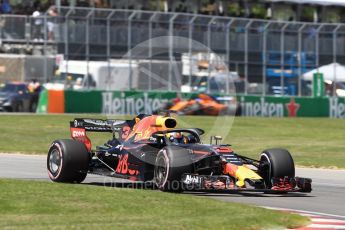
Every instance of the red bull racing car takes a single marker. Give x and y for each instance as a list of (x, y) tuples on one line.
[(150, 148)]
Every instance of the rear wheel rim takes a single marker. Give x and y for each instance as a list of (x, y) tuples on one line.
[(54, 161)]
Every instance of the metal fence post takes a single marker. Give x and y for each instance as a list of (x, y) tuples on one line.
[(334, 33), (282, 59), (150, 49), (246, 56), (87, 47), (108, 45), (227, 47), (190, 43), (45, 63), (129, 47), (300, 59), (66, 39), (171, 45), (28, 29), (264, 58), (209, 52)]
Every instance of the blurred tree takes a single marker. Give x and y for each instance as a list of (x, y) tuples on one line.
[(234, 9), (332, 15), (308, 13), (258, 11)]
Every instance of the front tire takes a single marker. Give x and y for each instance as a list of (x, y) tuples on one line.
[(68, 161), (171, 163), (276, 163)]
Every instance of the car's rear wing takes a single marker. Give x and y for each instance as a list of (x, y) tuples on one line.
[(99, 125), (79, 127)]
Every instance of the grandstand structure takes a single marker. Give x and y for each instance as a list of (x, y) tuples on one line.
[(84, 33)]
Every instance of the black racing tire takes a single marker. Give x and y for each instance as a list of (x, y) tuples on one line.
[(276, 163), (68, 161), (171, 163)]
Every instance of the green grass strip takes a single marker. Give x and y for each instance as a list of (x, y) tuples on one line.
[(313, 142), (46, 205)]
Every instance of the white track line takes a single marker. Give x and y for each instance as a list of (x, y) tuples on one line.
[(328, 220), (327, 226), (318, 220), (305, 212)]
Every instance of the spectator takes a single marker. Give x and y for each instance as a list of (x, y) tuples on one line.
[(6, 7), (34, 86), (52, 13), (34, 89), (37, 24)]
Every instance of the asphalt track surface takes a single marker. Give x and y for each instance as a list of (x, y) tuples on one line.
[(327, 197)]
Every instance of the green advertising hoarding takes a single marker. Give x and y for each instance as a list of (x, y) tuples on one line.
[(283, 106), (42, 106), (135, 102), (127, 102), (270, 106), (336, 107), (318, 85)]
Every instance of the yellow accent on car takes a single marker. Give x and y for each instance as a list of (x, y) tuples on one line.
[(243, 173), (166, 122)]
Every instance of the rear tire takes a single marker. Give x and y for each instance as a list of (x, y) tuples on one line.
[(276, 163), (67, 161), (171, 163)]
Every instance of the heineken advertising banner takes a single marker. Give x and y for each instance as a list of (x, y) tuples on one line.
[(128, 102), (283, 106), (135, 102), (336, 107), (333, 107)]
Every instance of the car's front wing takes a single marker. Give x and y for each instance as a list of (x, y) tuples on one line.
[(193, 182)]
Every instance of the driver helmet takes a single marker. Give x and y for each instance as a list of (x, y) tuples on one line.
[(176, 137)]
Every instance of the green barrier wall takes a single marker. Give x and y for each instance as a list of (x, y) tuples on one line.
[(134, 102), (42, 106)]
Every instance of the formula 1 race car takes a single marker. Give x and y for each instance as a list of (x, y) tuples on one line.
[(206, 104), (150, 148)]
